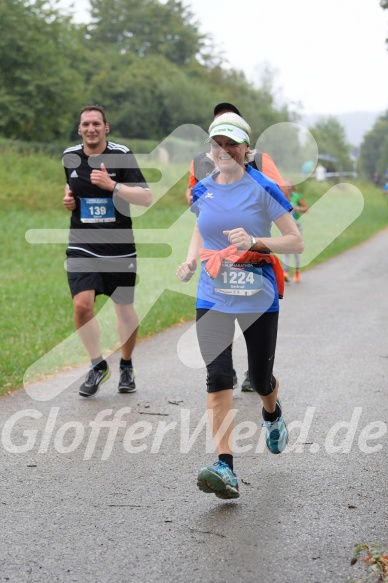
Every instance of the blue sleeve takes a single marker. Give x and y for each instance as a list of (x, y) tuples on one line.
[(197, 192), (277, 203)]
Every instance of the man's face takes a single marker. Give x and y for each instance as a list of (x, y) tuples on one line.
[(92, 128)]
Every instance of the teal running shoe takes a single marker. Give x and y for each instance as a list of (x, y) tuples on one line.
[(219, 480), (277, 435)]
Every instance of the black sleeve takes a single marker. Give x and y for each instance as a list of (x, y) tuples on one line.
[(130, 172)]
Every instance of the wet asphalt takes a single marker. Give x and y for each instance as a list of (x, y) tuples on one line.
[(104, 490)]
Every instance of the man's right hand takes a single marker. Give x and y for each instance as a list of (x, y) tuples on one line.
[(69, 200)]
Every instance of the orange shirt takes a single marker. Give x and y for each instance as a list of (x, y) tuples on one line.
[(268, 167)]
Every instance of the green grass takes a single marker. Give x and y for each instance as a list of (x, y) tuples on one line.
[(372, 219), (374, 561), (35, 301)]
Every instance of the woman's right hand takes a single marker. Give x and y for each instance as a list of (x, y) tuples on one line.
[(186, 270)]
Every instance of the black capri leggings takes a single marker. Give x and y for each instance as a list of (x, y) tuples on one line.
[(215, 331)]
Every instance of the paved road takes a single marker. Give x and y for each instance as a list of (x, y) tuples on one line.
[(82, 504)]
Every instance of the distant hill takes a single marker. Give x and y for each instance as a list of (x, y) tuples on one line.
[(355, 123)]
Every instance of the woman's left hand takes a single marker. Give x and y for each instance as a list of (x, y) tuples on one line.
[(239, 237)]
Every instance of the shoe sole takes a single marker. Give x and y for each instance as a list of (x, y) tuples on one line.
[(131, 390), (211, 483), (87, 395)]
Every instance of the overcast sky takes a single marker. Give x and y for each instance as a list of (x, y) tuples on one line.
[(330, 55)]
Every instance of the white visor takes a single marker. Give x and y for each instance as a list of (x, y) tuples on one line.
[(230, 131)]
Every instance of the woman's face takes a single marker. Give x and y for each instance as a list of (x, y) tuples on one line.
[(227, 153)]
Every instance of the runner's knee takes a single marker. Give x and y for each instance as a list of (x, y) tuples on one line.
[(219, 378), (83, 305), (262, 387)]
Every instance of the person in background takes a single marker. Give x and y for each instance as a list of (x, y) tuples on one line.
[(102, 180), (202, 166), (385, 190), (376, 179), (240, 280), (299, 206), (320, 173)]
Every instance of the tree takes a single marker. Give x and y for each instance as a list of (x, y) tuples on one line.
[(330, 137), (144, 61), (374, 148), (38, 86), (146, 28), (384, 6)]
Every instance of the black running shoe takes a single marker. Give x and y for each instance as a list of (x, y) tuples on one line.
[(246, 384), (94, 379), (127, 380)]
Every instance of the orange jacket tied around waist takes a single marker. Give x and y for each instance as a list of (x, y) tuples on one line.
[(231, 253)]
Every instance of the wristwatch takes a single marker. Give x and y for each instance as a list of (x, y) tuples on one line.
[(116, 188), (253, 241)]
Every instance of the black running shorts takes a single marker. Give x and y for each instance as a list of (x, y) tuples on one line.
[(113, 277)]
